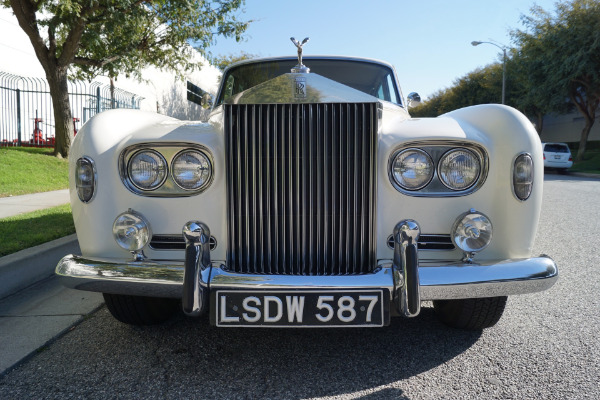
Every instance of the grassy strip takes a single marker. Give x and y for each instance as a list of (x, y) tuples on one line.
[(589, 164), (26, 170), (34, 228)]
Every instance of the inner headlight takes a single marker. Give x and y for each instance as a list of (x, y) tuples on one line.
[(412, 169), (131, 231), (147, 169), (85, 179), (459, 169), (191, 169), (472, 231)]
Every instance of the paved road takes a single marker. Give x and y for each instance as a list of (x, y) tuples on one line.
[(545, 347)]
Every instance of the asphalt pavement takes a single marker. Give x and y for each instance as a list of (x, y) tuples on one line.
[(534, 342)]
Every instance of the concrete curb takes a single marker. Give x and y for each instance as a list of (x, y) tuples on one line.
[(26, 267)]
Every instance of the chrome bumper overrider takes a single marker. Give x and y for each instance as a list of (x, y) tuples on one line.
[(437, 280)]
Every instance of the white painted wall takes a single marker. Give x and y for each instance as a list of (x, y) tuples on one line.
[(162, 91)]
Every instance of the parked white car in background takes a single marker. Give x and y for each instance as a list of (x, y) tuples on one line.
[(557, 155)]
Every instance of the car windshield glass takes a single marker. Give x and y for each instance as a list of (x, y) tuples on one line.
[(556, 148), (374, 79)]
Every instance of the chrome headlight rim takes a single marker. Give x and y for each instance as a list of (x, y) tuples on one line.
[(513, 183), (440, 165), (209, 161), (392, 174), (165, 173), (94, 185)]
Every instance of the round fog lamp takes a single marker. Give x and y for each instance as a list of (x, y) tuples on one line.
[(131, 231), (472, 231)]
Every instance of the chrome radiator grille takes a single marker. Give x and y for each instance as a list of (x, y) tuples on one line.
[(301, 188)]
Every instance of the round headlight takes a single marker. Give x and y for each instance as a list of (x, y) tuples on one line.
[(147, 169), (523, 176), (191, 169), (412, 169), (85, 179), (472, 231), (131, 231), (459, 169)]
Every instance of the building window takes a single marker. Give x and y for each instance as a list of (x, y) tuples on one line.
[(194, 93)]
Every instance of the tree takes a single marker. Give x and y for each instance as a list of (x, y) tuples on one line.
[(482, 86), (561, 56), (223, 61), (117, 36)]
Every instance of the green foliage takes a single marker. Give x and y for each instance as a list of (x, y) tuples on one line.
[(34, 228), (482, 86), (559, 55), (112, 37), (26, 170), (223, 61)]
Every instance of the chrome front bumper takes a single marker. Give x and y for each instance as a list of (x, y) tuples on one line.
[(437, 280)]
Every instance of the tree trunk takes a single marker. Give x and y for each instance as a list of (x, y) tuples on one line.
[(63, 119), (540, 123), (584, 137)]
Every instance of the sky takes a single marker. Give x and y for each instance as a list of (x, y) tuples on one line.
[(427, 41)]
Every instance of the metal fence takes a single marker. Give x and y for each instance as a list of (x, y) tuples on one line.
[(27, 115)]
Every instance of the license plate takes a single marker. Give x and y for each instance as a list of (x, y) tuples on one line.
[(284, 308), (557, 157)]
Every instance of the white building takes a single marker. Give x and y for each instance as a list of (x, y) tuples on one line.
[(162, 92)]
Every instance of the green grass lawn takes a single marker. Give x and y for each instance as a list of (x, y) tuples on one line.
[(590, 163), (34, 228), (26, 170)]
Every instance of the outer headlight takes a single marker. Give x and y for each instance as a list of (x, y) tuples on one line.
[(191, 169), (459, 169), (131, 231), (472, 231), (147, 169), (412, 169), (85, 179), (523, 176)]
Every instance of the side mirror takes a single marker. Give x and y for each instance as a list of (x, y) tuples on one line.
[(207, 100), (413, 99)]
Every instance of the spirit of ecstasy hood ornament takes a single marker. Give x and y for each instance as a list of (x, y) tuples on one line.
[(300, 68)]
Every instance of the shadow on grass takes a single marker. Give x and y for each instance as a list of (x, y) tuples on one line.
[(31, 229)]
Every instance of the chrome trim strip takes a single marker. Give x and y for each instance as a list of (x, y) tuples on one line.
[(438, 280)]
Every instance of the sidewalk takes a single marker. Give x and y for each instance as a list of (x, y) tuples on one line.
[(35, 308), (16, 205)]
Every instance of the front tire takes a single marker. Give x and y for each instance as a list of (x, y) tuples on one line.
[(470, 314), (137, 310)]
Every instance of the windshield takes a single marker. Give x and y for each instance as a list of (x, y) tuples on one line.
[(374, 79)]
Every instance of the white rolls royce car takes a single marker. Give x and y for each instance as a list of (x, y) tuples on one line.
[(310, 198)]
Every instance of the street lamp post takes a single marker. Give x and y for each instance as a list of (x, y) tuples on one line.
[(477, 43)]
